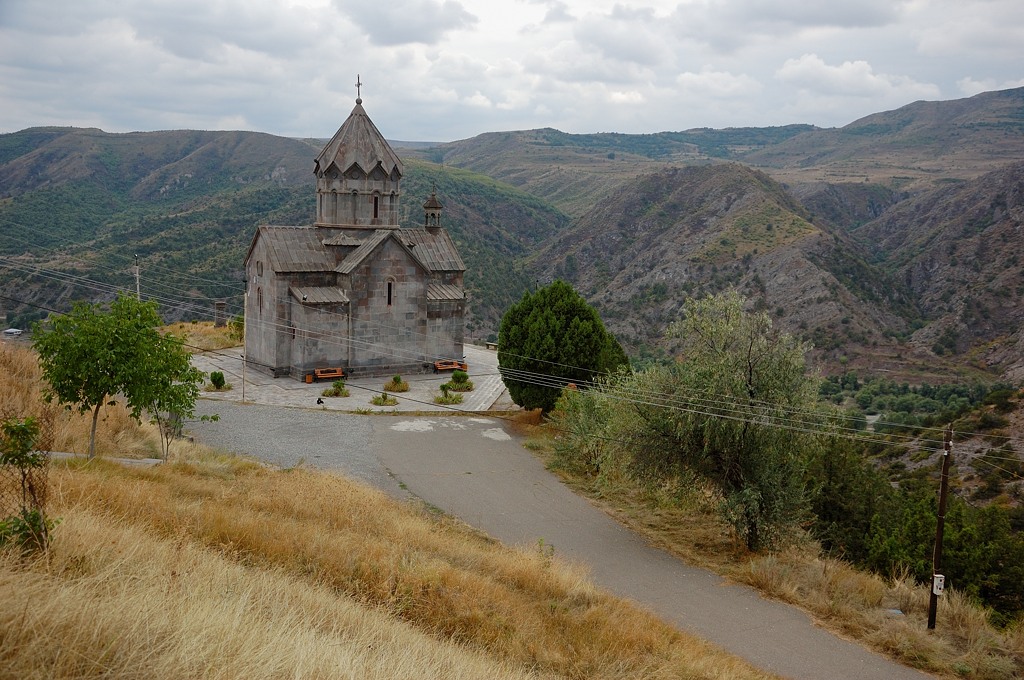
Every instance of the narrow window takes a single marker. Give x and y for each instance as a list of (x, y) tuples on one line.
[(259, 300), (376, 207), (391, 292)]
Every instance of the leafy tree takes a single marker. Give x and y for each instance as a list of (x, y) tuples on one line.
[(90, 355), (550, 338), (738, 411)]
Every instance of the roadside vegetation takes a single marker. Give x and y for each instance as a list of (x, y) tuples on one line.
[(730, 458), (214, 565)]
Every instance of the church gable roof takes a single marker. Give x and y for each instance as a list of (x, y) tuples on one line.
[(318, 295), (435, 249), (355, 258), (292, 249), (358, 142), (444, 291)]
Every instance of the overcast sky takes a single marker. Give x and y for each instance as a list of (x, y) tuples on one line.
[(440, 70)]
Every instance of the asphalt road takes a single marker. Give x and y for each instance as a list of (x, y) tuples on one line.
[(472, 468)]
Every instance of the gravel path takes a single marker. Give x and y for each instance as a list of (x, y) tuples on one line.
[(287, 437)]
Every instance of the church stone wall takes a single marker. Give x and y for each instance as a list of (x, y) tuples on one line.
[(318, 337), (265, 350), (389, 337), (445, 329)]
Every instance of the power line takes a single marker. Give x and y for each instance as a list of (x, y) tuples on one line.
[(791, 417)]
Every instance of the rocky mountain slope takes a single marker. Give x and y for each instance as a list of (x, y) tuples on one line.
[(692, 231), (960, 251)]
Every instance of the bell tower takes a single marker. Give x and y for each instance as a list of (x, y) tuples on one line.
[(358, 176)]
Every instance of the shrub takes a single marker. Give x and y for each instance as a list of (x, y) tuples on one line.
[(460, 382), (337, 389), (28, 529), (396, 385), (217, 379), (383, 400), (448, 398)]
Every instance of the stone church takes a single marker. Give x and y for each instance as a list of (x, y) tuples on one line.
[(354, 291)]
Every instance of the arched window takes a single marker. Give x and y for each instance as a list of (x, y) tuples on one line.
[(376, 206), (391, 292)]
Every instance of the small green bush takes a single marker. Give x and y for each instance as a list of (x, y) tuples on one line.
[(28, 529), (396, 385), (217, 379), (460, 382), (448, 398), (337, 389), (383, 400)]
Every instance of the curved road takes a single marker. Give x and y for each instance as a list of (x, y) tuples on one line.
[(472, 468)]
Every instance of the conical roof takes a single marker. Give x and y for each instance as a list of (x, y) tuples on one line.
[(358, 141), (432, 202)]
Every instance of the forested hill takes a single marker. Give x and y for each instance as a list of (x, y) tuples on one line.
[(82, 203)]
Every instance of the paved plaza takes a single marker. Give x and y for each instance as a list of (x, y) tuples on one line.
[(260, 388)]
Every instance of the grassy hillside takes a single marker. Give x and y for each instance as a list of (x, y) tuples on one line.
[(216, 566), (574, 172), (917, 146)]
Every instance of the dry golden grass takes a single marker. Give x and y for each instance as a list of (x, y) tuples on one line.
[(202, 336), (117, 601), (852, 602), (21, 394), (521, 609)]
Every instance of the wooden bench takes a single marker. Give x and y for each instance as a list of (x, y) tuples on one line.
[(450, 365), (325, 374)]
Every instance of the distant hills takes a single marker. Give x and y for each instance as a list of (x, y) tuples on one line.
[(892, 243)]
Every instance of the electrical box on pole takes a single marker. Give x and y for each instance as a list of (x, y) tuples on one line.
[(938, 580)]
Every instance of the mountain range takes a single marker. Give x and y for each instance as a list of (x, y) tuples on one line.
[(893, 244)]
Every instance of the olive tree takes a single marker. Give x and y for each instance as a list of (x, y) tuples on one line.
[(736, 410), (745, 419), (550, 338), (93, 353)]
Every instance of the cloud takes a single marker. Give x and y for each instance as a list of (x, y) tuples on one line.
[(850, 79), (970, 87), (730, 25), (407, 21), (557, 11), (800, 13), (624, 35), (717, 84)]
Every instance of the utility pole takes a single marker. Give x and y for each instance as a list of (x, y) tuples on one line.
[(938, 580), (138, 289), (245, 308)]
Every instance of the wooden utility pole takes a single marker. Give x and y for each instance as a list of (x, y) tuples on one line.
[(938, 581), (138, 288), (245, 322)]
